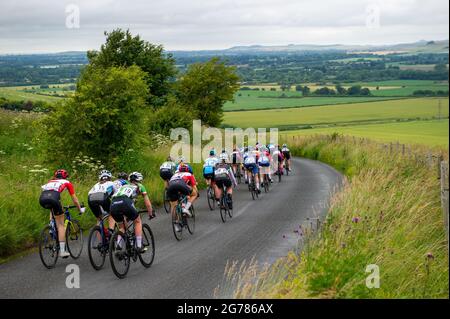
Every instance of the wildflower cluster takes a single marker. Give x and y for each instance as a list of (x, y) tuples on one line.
[(26, 146), (83, 164), (159, 141)]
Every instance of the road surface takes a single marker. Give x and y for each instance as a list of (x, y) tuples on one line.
[(192, 268)]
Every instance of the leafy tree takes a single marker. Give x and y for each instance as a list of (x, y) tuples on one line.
[(206, 87), (341, 90), (122, 49), (171, 115), (306, 90), (103, 119)]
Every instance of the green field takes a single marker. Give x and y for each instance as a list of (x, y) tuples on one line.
[(403, 87), (424, 108), (433, 133), (252, 100), (34, 93)]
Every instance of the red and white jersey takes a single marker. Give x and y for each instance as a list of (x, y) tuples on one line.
[(188, 178), (59, 185)]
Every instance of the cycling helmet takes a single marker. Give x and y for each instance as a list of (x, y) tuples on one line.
[(212, 153), (183, 169), (122, 175), (136, 176), (223, 157), (181, 159), (104, 174), (61, 174), (284, 145), (169, 159)]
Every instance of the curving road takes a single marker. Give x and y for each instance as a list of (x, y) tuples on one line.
[(192, 268)]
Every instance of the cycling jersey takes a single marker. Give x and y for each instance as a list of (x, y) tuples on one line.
[(130, 190), (236, 157), (107, 187), (224, 171), (119, 183), (264, 160), (168, 166), (185, 177), (211, 162), (59, 185)]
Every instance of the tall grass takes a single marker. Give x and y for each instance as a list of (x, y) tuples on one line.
[(22, 172), (388, 214)]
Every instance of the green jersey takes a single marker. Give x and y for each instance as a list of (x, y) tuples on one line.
[(131, 190)]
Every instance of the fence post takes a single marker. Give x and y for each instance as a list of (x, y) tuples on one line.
[(444, 194)]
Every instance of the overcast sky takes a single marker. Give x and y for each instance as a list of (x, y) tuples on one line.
[(51, 25)]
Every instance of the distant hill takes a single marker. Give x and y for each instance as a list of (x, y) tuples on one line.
[(416, 47)]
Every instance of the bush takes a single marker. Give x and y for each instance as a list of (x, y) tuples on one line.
[(103, 119)]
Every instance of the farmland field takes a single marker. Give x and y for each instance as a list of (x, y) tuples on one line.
[(253, 100), (35, 93), (431, 133), (424, 108)]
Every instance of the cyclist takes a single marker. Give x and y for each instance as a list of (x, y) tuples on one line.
[(250, 164), (122, 205), (51, 199), (287, 156), (166, 171), (99, 197), (264, 162), (277, 155), (209, 166), (182, 182), (236, 161), (122, 179), (182, 161), (224, 177)]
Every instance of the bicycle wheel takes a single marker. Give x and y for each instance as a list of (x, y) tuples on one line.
[(74, 238), (211, 199), (286, 168), (97, 248), (48, 248), (190, 221), (279, 176), (118, 256), (166, 202), (178, 234), (148, 242), (266, 183), (223, 209), (230, 212)]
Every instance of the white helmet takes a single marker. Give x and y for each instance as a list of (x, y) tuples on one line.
[(105, 174), (223, 157), (136, 176), (181, 159)]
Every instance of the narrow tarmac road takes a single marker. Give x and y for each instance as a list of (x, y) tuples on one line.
[(192, 268)]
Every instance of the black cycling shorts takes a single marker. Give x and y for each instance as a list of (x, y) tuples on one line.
[(287, 155), (123, 206), (223, 181), (51, 200), (176, 189), (166, 174), (97, 201), (235, 158)]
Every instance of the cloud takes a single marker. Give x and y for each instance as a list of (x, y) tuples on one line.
[(206, 24)]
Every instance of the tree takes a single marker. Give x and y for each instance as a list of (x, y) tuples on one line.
[(341, 90), (306, 90), (170, 116), (103, 119), (122, 49), (206, 87)]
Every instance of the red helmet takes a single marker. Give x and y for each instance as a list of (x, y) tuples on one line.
[(61, 173), (183, 168)]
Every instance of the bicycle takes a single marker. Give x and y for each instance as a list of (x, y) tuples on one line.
[(121, 254), (224, 207), (266, 183), (182, 220), (49, 242), (211, 197), (252, 186), (101, 234), (238, 173), (286, 167), (279, 172), (166, 201)]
